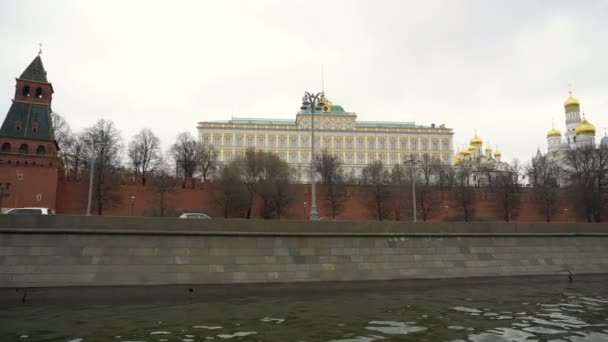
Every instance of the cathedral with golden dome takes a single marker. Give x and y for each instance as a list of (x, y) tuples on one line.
[(579, 133), (476, 153)]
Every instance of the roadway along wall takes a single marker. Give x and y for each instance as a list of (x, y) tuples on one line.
[(99, 251)]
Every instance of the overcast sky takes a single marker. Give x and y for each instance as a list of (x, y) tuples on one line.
[(502, 68)]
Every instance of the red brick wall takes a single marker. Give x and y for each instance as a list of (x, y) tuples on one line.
[(72, 199), (30, 186)]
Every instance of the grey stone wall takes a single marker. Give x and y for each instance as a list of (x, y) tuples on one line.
[(39, 253)]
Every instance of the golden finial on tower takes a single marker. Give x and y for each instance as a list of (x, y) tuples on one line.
[(570, 89), (39, 49)]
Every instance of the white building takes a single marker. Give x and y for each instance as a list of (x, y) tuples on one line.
[(356, 143)]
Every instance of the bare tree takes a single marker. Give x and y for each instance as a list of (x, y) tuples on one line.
[(377, 180), (251, 167), (426, 200), (61, 131), (230, 191), (543, 175), (507, 192), (332, 177), (445, 176), (106, 149), (185, 153), (163, 185), (207, 161), (74, 156), (587, 172), (399, 191), (144, 153), (274, 187), (463, 191)]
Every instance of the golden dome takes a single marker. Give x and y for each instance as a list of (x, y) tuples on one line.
[(471, 148), (497, 154), (554, 133), (584, 127), (465, 153), (571, 100), (476, 141)]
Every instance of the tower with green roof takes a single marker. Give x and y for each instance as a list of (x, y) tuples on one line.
[(29, 166)]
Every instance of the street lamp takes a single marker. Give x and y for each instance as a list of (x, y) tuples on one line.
[(566, 213), (132, 204), (305, 203), (413, 161), (310, 101), (92, 143)]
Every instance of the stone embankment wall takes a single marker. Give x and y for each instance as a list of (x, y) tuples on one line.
[(99, 251)]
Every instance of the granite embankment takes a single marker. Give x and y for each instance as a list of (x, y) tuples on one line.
[(54, 251)]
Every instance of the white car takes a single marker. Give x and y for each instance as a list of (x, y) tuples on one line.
[(30, 211), (195, 216)]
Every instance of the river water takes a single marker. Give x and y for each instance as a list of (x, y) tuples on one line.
[(555, 311)]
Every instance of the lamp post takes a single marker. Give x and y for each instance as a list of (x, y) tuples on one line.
[(310, 101), (566, 214), (413, 161), (132, 204), (92, 143), (305, 204)]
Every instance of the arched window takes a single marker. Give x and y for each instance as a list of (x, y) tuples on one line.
[(41, 150), (25, 91), (38, 92), (23, 149), (6, 147), (18, 125), (35, 127)]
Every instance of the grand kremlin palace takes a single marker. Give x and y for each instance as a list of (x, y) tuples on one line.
[(356, 143)]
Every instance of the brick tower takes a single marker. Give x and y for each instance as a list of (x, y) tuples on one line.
[(29, 165)]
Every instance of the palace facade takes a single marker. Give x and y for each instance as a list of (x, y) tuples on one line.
[(356, 143)]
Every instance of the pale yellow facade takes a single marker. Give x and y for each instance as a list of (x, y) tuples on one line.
[(356, 143)]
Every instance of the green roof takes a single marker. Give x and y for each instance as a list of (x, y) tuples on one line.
[(337, 109), (35, 71), (255, 121), (27, 114)]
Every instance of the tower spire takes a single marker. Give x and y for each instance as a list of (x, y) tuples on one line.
[(39, 49)]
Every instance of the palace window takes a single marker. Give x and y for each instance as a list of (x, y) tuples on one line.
[(394, 159), (272, 141), (435, 145), (424, 145), (206, 139), (293, 141), (250, 141), (382, 143), (304, 141), (338, 142), (349, 158), (217, 140), (371, 143), (360, 158), (327, 142), (360, 143), (349, 143), (317, 140), (414, 145), (445, 144), (293, 157), (261, 140), (282, 142), (239, 140), (403, 144), (393, 144), (383, 158), (228, 140)]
